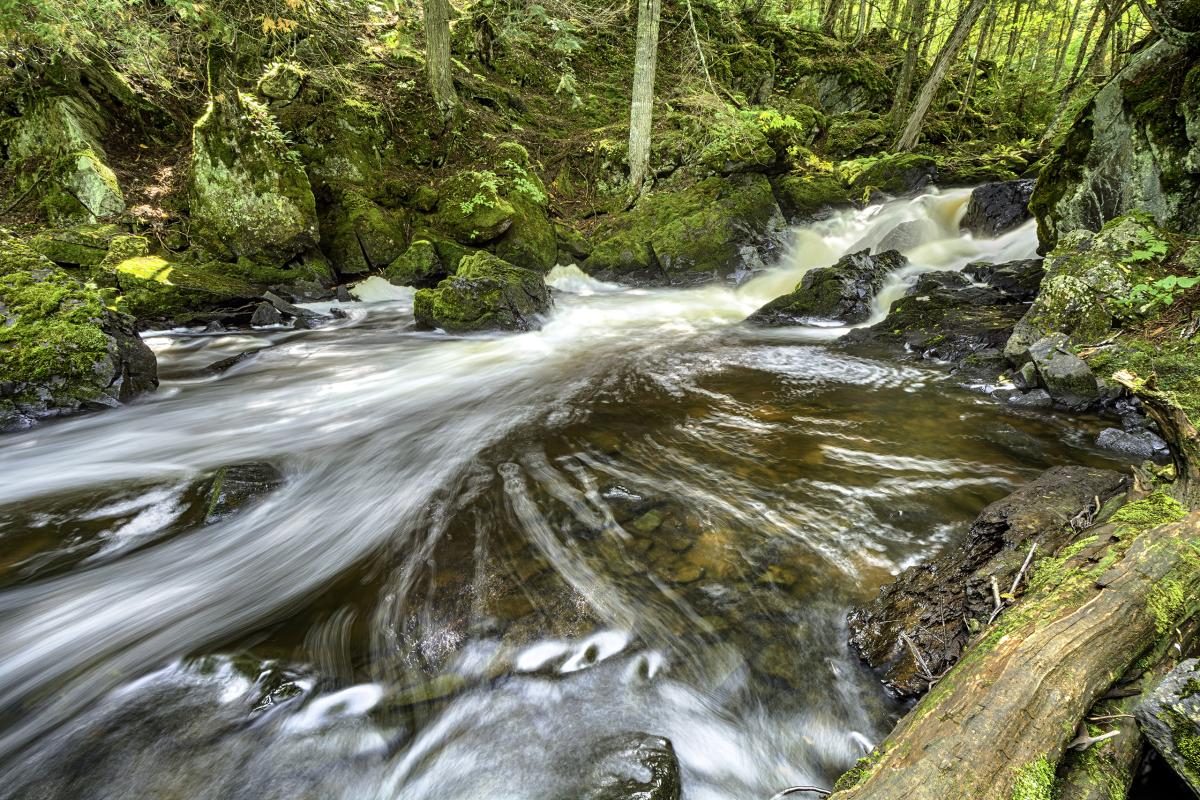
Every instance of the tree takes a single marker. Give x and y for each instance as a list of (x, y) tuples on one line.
[(941, 65), (641, 109), (437, 57), (915, 25)]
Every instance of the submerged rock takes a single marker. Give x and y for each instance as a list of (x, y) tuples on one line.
[(248, 195), (1170, 719), (1140, 445), (927, 608), (486, 293), (843, 292), (236, 487), (634, 766), (996, 208), (62, 350)]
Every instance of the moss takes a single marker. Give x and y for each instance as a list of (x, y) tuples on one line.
[(1172, 362), (359, 235), (486, 293), (851, 135), (1157, 508), (418, 266), (737, 143), (805, 195), (859, 772), (470, 208), (82, 246), (1034, 781), (1102, 775), (530, 241), (896, 174)]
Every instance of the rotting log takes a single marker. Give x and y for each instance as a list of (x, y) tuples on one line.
[(1177, 430), (997, 725)]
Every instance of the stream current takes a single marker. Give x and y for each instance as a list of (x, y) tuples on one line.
[(483, 557)]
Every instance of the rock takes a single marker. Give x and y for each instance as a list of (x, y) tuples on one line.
[(809, 196), (358, 235), (284, 307), (737, 145), (842, 292), (1139, 446), (281, 82), (1066, 376), (1081, 274), (235, 487), (486, 293), (573, 248), (248, 195), (266, 314), (634, 766), (929, 603), (707, 232), (1018, 280), (226, 364), (902, 173), (419, 266), (996, 208), (1035, 398), (1026, 377), (62, 350), (1133, 146), (530, 240), (471, 210), (1170, 719), (78, 246), (852, 135)]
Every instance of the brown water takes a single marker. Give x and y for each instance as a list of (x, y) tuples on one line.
[(488, 554)]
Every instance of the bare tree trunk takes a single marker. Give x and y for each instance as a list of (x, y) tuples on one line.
[(916, 31), (437, 57), (1065, 44), (1064, 99), (998, 723), (984, 32), (641, 110), (945, 58), (830, 20)]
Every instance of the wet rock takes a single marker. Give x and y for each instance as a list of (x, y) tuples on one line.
[(359, 235), (1035, 398), (62, 350), (807, 196), (1170, 719), (225, 364), (929, 604), (247, 196), (1141, 445), (634, 766), (707, 232), (288, 309), (266, 314), (902, 173), (1067, 377), (236, 487), (842, 292), (996, 208), (573, 248), (1018, 280), (486, 293)]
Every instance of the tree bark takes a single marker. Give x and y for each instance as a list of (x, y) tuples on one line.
[(945, 58), (1065, 44), (915, 24), (437, 57), (641, 109), (1069, 89), (1001, 719), (830, 20)]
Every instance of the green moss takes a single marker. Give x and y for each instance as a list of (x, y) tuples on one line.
[(1187, 742), (1172, 362), (486, 293), (470, 208), (1157, 508), (418, 266), (803, 195), (1034, 781), (859, 772)]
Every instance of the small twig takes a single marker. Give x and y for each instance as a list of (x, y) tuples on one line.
[(926, 672), (1083, 742), (1020, 574), (796, 789), (1102, 717), (996, 595)]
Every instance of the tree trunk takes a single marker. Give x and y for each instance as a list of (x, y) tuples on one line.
[(437, 57), (1065, 43), (916, 31), (980, 42), (1069, 89), (641, 110), (830, 20), (932, 31), (997, 725), (945, 58)]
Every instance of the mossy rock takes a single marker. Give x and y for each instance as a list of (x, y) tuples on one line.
[(81, 246), (471, 210), (358, 235), (737, 144), (854, 135), (530, 240), (807, 196), (901, 173), (486, 293), (154, 288), (702, 233), (419, 266), (248, 194), (281, 81), (62, 350), (842, 292)]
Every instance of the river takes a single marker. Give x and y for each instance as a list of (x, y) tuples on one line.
[(486, 555)]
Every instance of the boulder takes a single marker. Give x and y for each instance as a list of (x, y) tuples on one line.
[(1140, 445), (843, 292), (1065, 375), (530, 240), (634, 766), (281, 82), (1170, 719), (996, 208), (902, 173), (237, 486), (932, 608), (736, 144), (1081, 274), (806, 196), (1017, 280), (419, 266), (471, 210), (248, 193), (358, 235), (708, 231), (485, 293), (266, 314), (77, 246), (62, 350), (1133, 146)]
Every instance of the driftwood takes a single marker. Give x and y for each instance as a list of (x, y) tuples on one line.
[(998, 724)]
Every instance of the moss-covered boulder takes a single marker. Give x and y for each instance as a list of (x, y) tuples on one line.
[(248, 193), (737, 144), (486, 293), (1082, 276), (470, 208), (281, 81), (853, 135), (843, 292), (54, 150), (358, 235), (61, 349), (1134, 146), (80, 246), (805, 196), (705, 232), (901, 173), (530, 240), (1170, 718), (419, 266)]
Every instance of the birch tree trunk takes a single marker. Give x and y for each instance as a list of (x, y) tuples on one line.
[(941, 65), (641, 110), (437, 57)]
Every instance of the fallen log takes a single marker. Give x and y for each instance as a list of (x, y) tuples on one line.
[(996, 726)]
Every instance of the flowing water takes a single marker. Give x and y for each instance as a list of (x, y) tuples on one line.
[(484, 556)]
